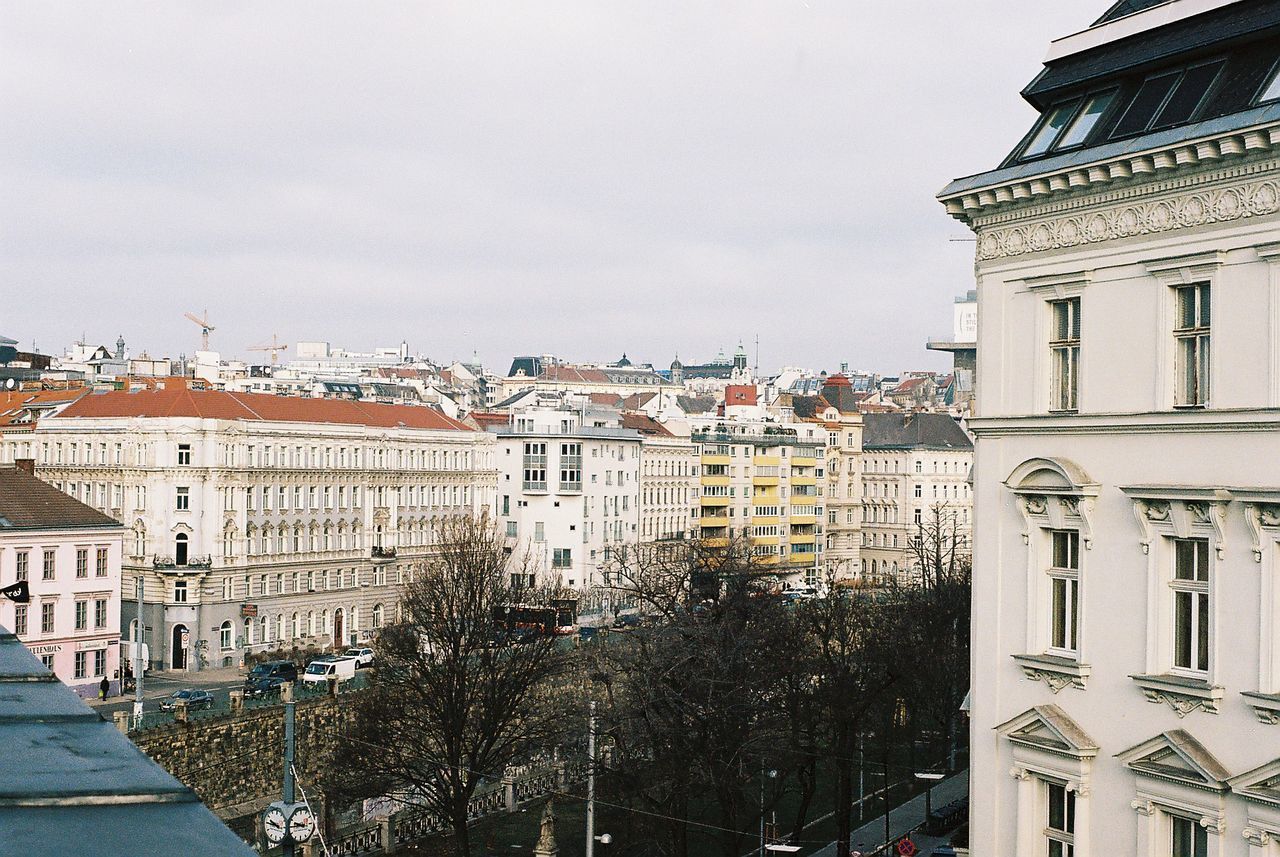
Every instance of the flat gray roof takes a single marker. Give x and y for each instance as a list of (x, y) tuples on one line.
[(71, 783)]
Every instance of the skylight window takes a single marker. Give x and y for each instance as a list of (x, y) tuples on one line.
[(1272, 90), (1151, 95), (1188, 94), (1094, 107), (1049, 131)]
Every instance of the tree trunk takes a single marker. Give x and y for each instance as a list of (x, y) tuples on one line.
[(461, 840), (844, 786), (807, 776)]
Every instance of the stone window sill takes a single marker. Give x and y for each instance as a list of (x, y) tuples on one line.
[(1181, 693), (1054, 670), (1265, 705)]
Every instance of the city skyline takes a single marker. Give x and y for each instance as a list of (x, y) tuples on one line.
[(497, 181)]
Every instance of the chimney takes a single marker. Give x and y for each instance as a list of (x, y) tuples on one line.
[(26, 465)]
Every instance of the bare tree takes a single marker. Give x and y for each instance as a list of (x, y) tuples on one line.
[(450, 708), (940, 547), (856, 665), (696, 706)]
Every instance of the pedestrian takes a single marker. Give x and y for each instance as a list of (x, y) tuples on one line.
[(103, 688)]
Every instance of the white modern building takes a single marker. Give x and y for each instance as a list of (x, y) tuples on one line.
[(568, 491), (69, 555), (1126, 654), (261, 522)]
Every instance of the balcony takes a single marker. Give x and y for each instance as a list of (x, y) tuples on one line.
[(378, 553), (713, 521), (163, 563)]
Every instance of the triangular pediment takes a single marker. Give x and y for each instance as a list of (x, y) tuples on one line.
[(1176, 755), (1262, 784), (1048, 727)]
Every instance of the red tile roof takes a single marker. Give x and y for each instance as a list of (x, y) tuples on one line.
[(645, 425), (16, 406), (485, 418), (221, 405)]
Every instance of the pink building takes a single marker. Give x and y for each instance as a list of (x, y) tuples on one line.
[(69, 554)]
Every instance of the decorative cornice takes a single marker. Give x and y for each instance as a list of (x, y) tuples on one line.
[(1265, 705), (1121, 170), (1183, 697), (1142, 217), (1054, 671)]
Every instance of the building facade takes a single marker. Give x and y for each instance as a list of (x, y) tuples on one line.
[(568, 491), (69, 555), (1126, 655), (668, 481), (765, 482), (915, 485), (261, 522)]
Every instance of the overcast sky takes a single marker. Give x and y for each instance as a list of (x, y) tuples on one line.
[(579, 178)]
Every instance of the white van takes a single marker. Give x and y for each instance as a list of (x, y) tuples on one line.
[(323, 669), (129, 650)]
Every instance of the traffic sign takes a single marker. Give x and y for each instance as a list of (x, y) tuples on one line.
[(907, 848)]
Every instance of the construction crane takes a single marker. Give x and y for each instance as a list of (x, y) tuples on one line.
[(275, 348), (205, 328)]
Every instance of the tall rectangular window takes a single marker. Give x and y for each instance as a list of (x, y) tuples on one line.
[(1191, 341), (50, 563), (101, 562), (535, 467), (100, 613), (1064, 576), (82, 615), (20, 620), (46, 617), (182, 499), (184, 453), (82, 661), (1190, 839), (1060, 831), (23, 561), (1190, 586), (1064, 348), (82, 562)]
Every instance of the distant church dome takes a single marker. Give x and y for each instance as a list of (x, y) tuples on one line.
[(624, 361)]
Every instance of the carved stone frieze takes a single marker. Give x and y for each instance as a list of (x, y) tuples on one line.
[(1181, 211)]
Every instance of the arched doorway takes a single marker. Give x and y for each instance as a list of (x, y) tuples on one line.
[(337, 628), (180, 549), (178, 647)]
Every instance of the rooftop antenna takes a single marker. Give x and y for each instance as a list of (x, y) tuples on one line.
[(205, 328), (757, 369)]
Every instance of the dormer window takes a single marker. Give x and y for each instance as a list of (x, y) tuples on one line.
[(1054, 123), (1272, 90), (1094, 107), (1168, 98)]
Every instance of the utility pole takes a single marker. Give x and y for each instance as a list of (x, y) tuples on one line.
[(591, 780), (287, 792), (862, 792), (138, 666)]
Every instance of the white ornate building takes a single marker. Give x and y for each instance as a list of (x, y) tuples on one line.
[(259, 521), (1126, 654)]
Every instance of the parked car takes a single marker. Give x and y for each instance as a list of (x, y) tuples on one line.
[(627, 620), (192, 697), (285, 670), (267, 686), (323, 669), (362, 654)]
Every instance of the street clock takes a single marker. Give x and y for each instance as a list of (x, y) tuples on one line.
[(283, 821), (274, 824), (302, 824)]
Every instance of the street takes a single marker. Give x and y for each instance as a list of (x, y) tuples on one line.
[(159, 684)]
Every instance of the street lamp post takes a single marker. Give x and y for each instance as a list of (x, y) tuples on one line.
[(762, 776), (930, 778)]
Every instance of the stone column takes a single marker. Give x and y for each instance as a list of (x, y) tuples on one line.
[(1026, 810), (237, 701), (180, 711), (509, 791), (387, 833), (1081, 832), (122, 721), (1147, 818)]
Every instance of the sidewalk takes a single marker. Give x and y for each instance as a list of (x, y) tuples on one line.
[(903, 819)]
